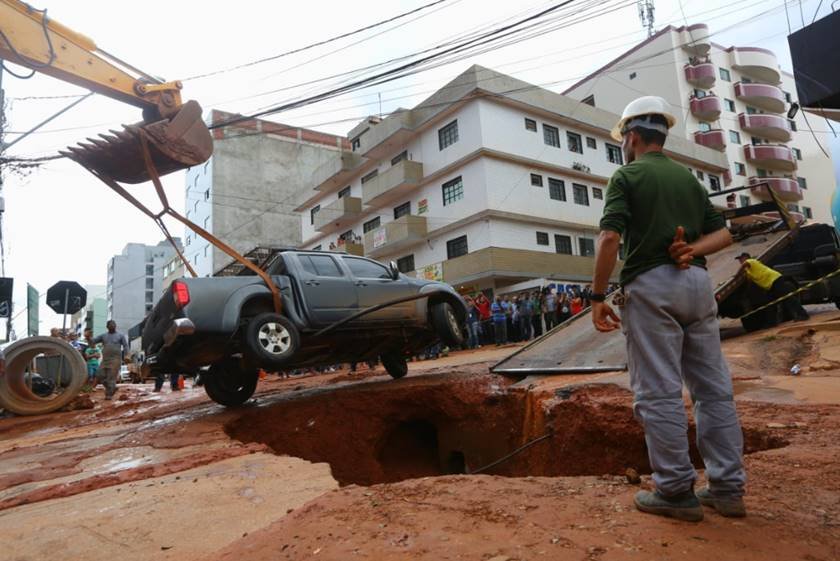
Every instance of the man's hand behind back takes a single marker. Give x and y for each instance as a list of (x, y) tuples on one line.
[(681, 252)]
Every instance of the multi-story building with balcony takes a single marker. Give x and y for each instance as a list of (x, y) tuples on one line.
[(490, 183), (734, 100)]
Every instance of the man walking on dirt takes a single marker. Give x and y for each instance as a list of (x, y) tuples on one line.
[(772, 281), (114, 347), (669, 317)]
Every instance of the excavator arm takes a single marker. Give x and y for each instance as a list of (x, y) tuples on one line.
[(31, 39)]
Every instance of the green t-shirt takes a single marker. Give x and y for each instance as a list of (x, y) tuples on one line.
[(646, 201)]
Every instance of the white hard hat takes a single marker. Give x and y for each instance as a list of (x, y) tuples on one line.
[(645, 105)]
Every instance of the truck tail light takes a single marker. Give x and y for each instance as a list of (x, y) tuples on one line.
[(181, 294)]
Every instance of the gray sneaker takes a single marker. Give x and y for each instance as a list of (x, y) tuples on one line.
[(684, 506), (732, 507)]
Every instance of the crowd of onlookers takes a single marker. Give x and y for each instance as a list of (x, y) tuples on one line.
[(524, 315)]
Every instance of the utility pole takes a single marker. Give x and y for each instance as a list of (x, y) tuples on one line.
[(646, 11)]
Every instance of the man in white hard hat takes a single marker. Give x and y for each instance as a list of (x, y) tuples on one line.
[(669, 317)]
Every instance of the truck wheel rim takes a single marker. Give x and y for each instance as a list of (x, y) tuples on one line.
[(274, 338), (453, 323)]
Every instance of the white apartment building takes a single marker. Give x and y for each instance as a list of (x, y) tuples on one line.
[(734, 100), (490, 183)]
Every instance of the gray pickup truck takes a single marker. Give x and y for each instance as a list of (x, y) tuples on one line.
[(336, 308)]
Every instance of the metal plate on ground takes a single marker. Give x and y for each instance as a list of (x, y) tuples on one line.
[(576, 347)]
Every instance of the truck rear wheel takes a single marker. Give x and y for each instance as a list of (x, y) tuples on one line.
[(395, 364), (271, 339), (229, 384), (447, 325)]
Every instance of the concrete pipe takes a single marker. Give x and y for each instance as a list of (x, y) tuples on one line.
[(56, 360)]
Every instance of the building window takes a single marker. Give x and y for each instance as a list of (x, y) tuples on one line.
[(371, 225), (562, 244), (370, 176), (348, 235), (530, 124), (792, 124), (149, 308), (740, 169), (406, 264), (793, 208), (448, 134), (807, 211), (700, 175), (312, 212), (556, 189), (745, 200), (402, 210), (551, 135), (150, 296), (729, 104), (457, 247), (399, 157), (344, 192), (714, 182), (735, 137), (150, 269), (632, 75), (802, 183), (614, 155), (797, 152), (542, 238), (356, 143), (587, 247), (591, 142), (761, 172), (589, 100), (581, 194), (787, 97), (453, 191), (724, 75), (536, 180), (575, 142), (704, 127), (751, 110), (597, 193), (150, 284)]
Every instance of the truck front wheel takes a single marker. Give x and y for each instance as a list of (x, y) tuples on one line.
[(395, 364), (447, 325), (229, 384), (271, 339)]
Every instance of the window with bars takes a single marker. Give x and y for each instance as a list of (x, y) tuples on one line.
[(371, 225), (614, 155), (542, 238), (406, 264), (556, 189), (575, 142), (457, 247), (402, 210), (714, 182), (562, 244), (597, 193), (700, 175), (399, 157), (591, 142), (448, 135), (536, 180), (150, 269), (551, 135), (312, 212), (581, 194), (369, 176), (453, 191), (745, 200), (530, 124), (586, 247), (344, 192)]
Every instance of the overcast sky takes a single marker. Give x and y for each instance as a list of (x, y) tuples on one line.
[(61, 223)]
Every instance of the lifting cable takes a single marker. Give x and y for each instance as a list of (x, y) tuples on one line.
[(522, 448), (792, 293)]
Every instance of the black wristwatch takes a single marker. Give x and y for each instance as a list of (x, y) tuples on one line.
[(598, 297)]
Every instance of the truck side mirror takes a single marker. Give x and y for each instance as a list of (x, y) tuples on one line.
[(394, 270)]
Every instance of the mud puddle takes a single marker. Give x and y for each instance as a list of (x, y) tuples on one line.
[(439, 425)]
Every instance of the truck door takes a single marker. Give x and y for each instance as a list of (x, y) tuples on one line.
[(374, 285), (328, 293)]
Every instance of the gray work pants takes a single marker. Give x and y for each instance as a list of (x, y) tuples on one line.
[(670, 322)]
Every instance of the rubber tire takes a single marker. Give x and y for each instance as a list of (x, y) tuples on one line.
[(395, 365), (228, 384), (837, 303), (15, 397), (762, 320), (446, 324), (258, 352)]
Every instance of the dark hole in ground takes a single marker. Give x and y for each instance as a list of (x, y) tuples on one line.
[(427, 426)]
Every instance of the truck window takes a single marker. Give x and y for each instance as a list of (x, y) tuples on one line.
[(364, 269), (320, 265)]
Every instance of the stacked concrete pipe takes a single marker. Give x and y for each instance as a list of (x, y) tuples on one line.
[(15, 393)]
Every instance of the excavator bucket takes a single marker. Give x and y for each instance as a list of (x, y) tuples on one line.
[(174, 144)]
